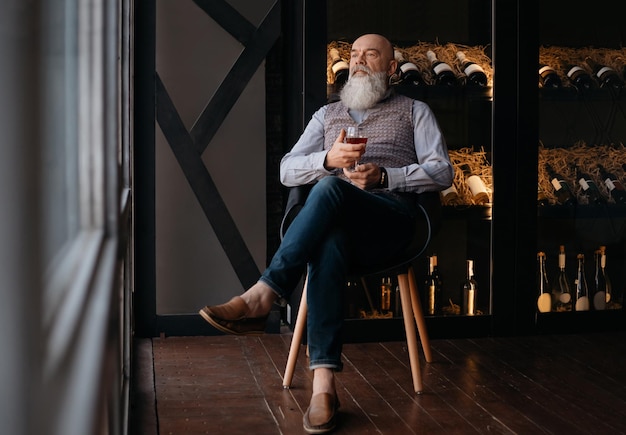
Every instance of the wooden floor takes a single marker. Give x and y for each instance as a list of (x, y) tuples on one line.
[(566, 384)]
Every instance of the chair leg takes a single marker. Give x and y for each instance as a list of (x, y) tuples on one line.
[(419, 317), (296, 339), (411, 336)]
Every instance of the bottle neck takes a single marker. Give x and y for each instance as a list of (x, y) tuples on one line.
[(575, 70), (408, 66), (470, 270), (472, 68), (605, 71)]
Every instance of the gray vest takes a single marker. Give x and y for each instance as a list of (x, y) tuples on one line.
[(389, 130)]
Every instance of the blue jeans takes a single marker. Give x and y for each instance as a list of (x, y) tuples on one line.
[(339, 228)]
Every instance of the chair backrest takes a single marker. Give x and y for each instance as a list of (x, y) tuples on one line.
[(295, 201), (426, 225), (419, 242), (431, 202)]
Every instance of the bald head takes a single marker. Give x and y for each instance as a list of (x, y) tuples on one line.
[(374, 51), (377, 41)]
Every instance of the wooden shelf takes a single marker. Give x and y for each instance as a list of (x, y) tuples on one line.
[(392, 329)]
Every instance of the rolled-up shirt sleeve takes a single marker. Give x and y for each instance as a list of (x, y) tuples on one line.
[(304, 164), (434, 172)]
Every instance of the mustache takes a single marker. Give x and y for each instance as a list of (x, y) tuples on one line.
[(360, 68)]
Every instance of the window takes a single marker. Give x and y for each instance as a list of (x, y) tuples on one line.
[(67, 107)]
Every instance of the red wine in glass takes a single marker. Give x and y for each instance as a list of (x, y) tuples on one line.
[(356, 140), (355, 135)]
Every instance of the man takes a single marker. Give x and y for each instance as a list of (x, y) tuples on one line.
[(356, 213)]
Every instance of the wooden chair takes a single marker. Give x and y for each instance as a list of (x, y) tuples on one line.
[(401, 266)]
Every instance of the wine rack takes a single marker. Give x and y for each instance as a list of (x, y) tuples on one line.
[(464, 112), (509, 129), (467, 215), (418, 55), (582, 131), (447, 102)]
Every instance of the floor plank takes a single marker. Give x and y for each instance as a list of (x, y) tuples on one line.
[(570, 384), (556, 383), (280, 402), (378, 369)]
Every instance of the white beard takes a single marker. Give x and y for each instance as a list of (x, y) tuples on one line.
[(363, 92)]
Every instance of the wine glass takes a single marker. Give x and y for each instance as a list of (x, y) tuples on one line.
[(355, 135)]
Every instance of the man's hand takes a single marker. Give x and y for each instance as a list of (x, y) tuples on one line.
[(343, 155), (366, 176)]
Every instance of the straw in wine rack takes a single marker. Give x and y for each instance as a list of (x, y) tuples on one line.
[(479, 165), (559, 57), (585, 157)]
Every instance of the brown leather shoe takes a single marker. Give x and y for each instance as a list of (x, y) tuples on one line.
[(231, 318), (320, 415)]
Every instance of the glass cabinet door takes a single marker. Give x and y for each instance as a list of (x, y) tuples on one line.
[(581, 200), (429, 40)]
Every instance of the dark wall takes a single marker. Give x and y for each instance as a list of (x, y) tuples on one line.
[(405, 22), (591, 25)]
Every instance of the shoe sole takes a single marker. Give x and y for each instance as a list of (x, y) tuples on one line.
[(225, 330), (319, 431)]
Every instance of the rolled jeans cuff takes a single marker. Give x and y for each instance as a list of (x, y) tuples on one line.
[(326, 365), (280, 300)]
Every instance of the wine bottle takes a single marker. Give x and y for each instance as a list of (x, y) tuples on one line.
[(433, 287), (353, 295), (613, 295), (562, 295), (542, 199), (397, 311), (444, 75), (340, 68), (544, 300), (476, 186), (430, 287), (603, 295), (606, 76), (589, 186), (581, 291), (475, 73), (562, 190), (599, 294), (450, 196), (616, 188), (470, 289), (579, 77), (548, 77), (385, 295), (408, 71)]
